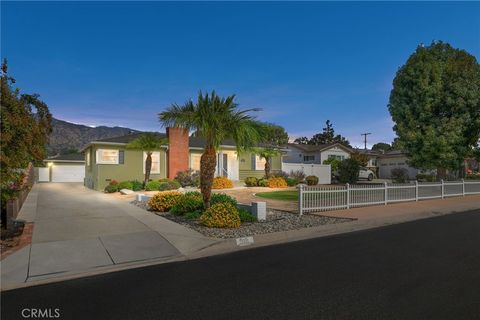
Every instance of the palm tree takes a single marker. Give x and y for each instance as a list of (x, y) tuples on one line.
[(147, 142), (268, 154), (216, 119)]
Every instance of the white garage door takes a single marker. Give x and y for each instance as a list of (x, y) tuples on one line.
[(68, 173)]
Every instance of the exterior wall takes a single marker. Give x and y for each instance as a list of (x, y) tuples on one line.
[(295, 155), (177, 151), (322, 171), (247, 169), (101, 174), (334, 151), (386, 164)]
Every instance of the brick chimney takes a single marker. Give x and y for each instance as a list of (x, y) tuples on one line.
[(177, 151)]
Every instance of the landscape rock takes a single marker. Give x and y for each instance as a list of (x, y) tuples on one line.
[(126, 191)]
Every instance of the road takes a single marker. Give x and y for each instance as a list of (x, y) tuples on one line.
[(427, 269)]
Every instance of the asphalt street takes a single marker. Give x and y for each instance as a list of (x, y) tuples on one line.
[(426, 269)]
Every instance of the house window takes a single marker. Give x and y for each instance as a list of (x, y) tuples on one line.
[(334, 156), (260, 163), (155, 162), (308, 158), (106, 156), (374, 162), (195, 161)]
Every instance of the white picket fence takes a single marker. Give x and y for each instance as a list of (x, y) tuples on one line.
[(323, 198)]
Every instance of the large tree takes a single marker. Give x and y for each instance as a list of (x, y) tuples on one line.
[(148, 142), (381, 146), (435, 104), (325, 137), (215, 118), (272, 137)]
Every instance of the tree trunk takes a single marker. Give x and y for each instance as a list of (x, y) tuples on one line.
[(441, 173), (208, 162), (148, 167), (267, 167)]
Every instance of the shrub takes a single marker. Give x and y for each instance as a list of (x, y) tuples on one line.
[(125, 185), (311, 180), (251, 181), (152, 185), (189, 202), (193, 215), (299, 175), (279, 174), (111, 188), (188, 178), (169, 185), (399, 175), (164, 201), (277, 183), (421, 177), (334, 164), (221, 215), (473, 176), (291, 182), (348, 171), (222, 198), (137, 185), (263, 182), (246, 216), (222, 183)]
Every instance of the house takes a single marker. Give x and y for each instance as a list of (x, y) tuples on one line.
[(109, 159), (392, 160), (62, 168), (315, 154)]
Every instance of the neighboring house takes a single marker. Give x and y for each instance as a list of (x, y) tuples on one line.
[(109, 159), (315, 154), (392, 160), (62, 168)]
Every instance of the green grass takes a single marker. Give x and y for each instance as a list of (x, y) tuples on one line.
[(289, 195)]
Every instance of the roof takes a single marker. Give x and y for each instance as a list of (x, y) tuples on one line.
[(320, 147), (73, 157), (394, 153)]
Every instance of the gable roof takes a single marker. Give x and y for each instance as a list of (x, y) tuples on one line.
[(320, 147), (74, 157)]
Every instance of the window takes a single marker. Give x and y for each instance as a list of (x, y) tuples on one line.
[(334, 156), (106, 156), (308, 158), (374, 162), (259, 163), (195, 161), (155, 162)]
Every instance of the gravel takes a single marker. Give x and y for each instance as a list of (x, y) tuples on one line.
[(276, 221)]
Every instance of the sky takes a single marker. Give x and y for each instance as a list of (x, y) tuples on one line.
[(121, 63)]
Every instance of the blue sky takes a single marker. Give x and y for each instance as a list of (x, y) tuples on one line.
[(120, 63)]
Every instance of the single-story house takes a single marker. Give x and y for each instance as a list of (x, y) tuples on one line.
[(392, 160), (315, 154), (62, 168), (109, 159)]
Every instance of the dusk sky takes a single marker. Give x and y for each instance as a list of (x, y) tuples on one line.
[(120, 63)]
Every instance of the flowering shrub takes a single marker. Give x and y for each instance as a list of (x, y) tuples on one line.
[(251, 181), (188, 178), (311, 180), (473, 176), (277, 183), (221, 215), (298, 175), (164, 201), (222, 183)]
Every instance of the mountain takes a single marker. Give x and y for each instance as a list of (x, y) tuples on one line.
[(67, 137)]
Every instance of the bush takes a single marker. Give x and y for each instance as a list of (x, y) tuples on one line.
[(263, 182), (152, 185), (222, 183), (111, 188), (299, 175), (125, 185), (222, 198), (334, 164), (189, 202), (188, 178), (421, 177), (399, 175), (291, 182), (279, 174), (169, 185), (348, 171), (193, 215), (137, 185), (251, 181), (164, 201), (221, 215), (473, 176), (277, 183), (246, 216), (311, 180)]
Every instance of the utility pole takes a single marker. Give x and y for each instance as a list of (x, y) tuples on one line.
[(365, 138)]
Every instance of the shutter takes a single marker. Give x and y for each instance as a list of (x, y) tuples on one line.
[(254, 161), (121, 157)]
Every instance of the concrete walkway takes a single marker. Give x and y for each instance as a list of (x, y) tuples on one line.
[(77, 230)]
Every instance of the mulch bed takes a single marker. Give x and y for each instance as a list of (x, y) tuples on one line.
[(15, 239)]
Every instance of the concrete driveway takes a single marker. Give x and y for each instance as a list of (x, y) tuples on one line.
[(77, 229)]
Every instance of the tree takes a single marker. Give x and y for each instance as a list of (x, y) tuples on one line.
[(147, 142), (361, 158), (381, 146), (348, 171), (301, 140), (272, 137), (435, 104), (215, 118), (326, 137)]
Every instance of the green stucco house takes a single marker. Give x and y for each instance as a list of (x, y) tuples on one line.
[(108, 159)]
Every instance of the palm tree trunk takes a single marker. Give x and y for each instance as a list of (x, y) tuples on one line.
[(148, 167), (208, 162), (267, 167)]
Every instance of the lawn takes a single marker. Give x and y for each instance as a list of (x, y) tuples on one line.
[(287, 195)]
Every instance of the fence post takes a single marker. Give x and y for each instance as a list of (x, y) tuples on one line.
[(463, 187), (348, 195), (443, 189), (385, 185), (300, 199), (416, 190)]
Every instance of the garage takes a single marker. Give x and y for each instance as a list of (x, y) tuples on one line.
[(63, 168)]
